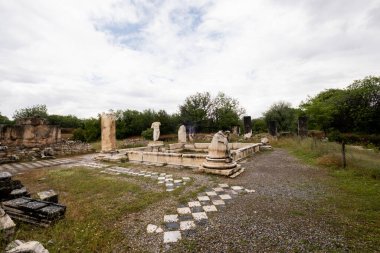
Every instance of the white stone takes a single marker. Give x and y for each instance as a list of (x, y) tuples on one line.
[(172, 236), (218, 189), (169, 185), (203, 198), (225, 196), (186, 179), (31, 247), (178, 181), (237, 188), (194, 203), (159, 230), (200, 216), (211, 193), (156, 130), (171, 218), (183, 210), (151, 228), (218, 202), (210, 208), (234, 192), (182, 134), (223, 185), (169, 180), (250, 191), (186, 225)]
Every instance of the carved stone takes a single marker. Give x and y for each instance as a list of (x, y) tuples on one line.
[(156, 130), (182, 134)]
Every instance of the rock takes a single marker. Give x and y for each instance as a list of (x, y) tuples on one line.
[(47, 152), (7, 227), (25, 247), (50, 196), (151, 228), (264, 140)]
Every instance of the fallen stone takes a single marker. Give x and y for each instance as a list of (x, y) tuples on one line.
[(50, 196), (151, 228), (25, 247), (7, 227)]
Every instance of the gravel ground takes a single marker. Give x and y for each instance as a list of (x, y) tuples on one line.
[(280, 217)]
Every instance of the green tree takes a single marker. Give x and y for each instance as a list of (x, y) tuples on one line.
[(225, 112), (4, 119), (259, 125), (33, 111), (65, 121), (283, 114), (196, 110)]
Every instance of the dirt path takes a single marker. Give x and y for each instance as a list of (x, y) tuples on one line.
[(282, 216)]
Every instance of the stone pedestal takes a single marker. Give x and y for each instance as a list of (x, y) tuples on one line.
[(218, 160), (108, 125), (156, 146)]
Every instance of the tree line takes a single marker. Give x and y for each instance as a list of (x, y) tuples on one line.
[(354, 109)]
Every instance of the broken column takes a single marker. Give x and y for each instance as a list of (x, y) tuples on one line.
[(219, 160), (108, 126), (272, 128), (247, 126), (182, 134), (302, 126)]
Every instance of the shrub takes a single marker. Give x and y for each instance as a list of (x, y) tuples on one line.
[(147, 134)]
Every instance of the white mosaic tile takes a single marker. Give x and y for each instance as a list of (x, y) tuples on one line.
[(172, 236), (200, 216), (194, 203), (161, 178), (178, 181), (186, 225), (218, 202), (218, 189), (250, 191), (186, 179), (183, 210), (171, 218), (225, 196), (210, 208), (211, 193), (237, 188), (233, 192), (223, 185), (203, 198)]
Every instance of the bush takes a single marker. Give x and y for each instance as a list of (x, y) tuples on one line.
[(147, 134)]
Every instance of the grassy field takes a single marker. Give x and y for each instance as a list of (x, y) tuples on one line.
[(88, 195), (353, 198)]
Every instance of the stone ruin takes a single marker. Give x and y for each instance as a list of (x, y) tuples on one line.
[(219, 160), (247, 127), (32, 138), (108, 125)]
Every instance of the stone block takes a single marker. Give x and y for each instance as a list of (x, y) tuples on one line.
[(50, 196)]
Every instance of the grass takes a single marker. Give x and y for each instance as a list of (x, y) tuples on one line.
[(353, 198), (96, 206)]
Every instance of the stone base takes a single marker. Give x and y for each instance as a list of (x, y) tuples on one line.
[(223, 172)]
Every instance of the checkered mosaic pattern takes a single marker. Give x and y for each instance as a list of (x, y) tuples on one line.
[(162, 178), (195, 213)]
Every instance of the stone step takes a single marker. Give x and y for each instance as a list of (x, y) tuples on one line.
[(237, 173)]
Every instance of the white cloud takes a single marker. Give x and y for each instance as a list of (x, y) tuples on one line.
[(85, 57)]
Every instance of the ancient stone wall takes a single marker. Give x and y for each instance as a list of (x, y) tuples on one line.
[(29, 132)]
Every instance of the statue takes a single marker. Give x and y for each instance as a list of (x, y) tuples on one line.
[(156, 130)]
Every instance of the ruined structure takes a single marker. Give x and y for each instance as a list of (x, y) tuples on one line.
[(247, 127), (272, 128), (302, 126), (182, 134), (219, 159), (108, 126), (30, 132)]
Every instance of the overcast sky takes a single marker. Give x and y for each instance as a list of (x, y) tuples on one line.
[(83, 57)]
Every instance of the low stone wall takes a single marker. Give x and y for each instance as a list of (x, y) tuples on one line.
[(160, 158), (64, 148), (170, 157), (245, 151)]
